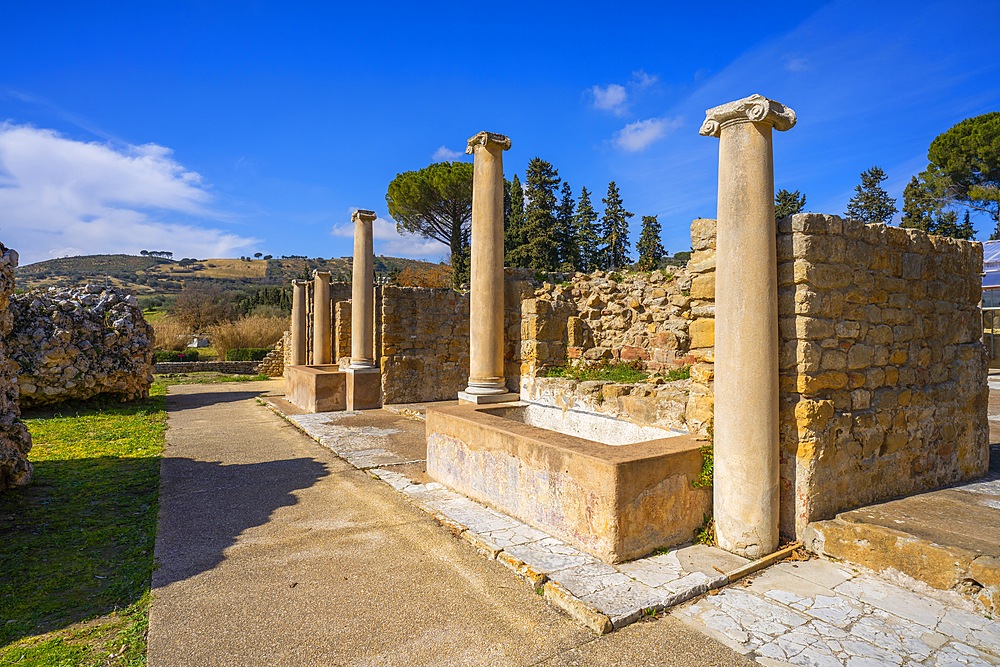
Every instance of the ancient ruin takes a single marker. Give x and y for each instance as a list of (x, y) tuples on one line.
[(15, 441)]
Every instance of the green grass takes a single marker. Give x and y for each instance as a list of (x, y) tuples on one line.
[(622, 372), (205, 377), (682, 373), (76, 545)]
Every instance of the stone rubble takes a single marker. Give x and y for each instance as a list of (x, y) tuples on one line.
[(76, 343), (15, 441)]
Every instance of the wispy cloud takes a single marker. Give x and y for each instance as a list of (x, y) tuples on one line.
[(640, 134), (611, 98), (642, 79), (64, 197), (444, 154), (391, 243), (796, 64)]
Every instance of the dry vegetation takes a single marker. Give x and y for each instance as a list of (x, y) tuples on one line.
[(250, 331), (170, 334)]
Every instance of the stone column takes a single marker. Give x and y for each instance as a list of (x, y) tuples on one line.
[(298, 351), (486, 328), (746, 326), (322, 328), (363, 292)]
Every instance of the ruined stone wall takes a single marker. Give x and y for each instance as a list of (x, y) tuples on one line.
[(883, 375), (424, 351), (342, 332), (273, 365), (339, 292), (15, 442), (76, 343)]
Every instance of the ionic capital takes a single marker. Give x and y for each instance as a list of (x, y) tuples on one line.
[(363, 216), (487, 139), (753, 109)]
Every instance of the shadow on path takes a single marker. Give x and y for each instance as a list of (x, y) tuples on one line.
[(178, 402), (205, 506)]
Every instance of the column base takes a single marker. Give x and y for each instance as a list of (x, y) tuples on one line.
[(485, 399), (364, 388)]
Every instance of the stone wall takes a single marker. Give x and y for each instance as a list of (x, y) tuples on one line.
[(424, 353), (883, 375), (76, 343), (15, 442), (234, 367), (342, 332), (273, 365)]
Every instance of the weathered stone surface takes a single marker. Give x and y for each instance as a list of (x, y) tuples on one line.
[(15, 441), (76, 343)]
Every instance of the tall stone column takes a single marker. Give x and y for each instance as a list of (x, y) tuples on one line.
[(486, 377), (322, 328), (363, 292), (746, 326), (298, 351)]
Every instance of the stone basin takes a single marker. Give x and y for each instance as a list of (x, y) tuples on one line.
[(586, 425), (617, 502), (318, 388)]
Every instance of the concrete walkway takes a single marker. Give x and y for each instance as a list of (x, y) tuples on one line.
[(273, 551)]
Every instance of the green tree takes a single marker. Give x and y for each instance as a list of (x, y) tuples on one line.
[(538, 251), (587, 236), (567, 246), (650, 247), (513, 236), (436, 202), (614, 231), (965, 166), (919, 205), (788, 203), (871, 204)]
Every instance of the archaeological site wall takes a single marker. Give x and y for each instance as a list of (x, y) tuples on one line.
[(76, 343), (883, 375), (15, 442)]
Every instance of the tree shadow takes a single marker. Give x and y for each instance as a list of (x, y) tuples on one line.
[(178, 402), (205, 506)]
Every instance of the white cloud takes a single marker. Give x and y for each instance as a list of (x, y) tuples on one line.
[(61, 197), (642, 79), (444, 153), (640, 134), (611, 98), (796, 64), (391, 243)]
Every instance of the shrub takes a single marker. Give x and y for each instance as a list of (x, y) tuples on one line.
[(171, 355), (251, 331), (170, 334), (247, 353), (625, 372)]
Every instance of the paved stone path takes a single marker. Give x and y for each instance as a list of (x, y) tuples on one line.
[(273, 551)]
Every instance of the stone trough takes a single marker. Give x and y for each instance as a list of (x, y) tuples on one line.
[(617, 502)]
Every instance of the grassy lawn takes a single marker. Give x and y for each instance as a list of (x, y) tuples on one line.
[(205, 377), (76, 545)]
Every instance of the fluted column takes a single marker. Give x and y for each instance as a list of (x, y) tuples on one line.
[(363, 292), (746, 326), (322, 330), (298, 351), (486, 329)]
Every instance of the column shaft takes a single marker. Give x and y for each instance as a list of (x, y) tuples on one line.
[(298, 336), (363, 292), (322, 323), (486, 329)]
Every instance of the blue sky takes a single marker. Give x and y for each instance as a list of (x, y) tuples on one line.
[(228, 128)]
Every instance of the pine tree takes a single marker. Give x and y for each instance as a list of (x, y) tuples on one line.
[(947, 225), (513, 236), (538, 250), (567, 248), (918, 206), (650, 247), (587, 238), (614, 231), (871, 204), (788, 203)]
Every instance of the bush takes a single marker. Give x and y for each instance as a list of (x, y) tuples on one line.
[(171, 355), (624, 372), (247, 353), (252, 331)]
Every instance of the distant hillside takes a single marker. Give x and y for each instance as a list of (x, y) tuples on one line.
[(147, 276)]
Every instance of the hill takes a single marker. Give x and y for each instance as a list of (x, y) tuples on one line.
[(153, 276)]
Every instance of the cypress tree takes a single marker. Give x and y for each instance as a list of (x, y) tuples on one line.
[(650, 247), (587, 237), (614, 231), (538, 250), (513, 236), (568, 250)]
